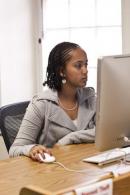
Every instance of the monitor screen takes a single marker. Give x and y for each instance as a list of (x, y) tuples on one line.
[(113, 102)]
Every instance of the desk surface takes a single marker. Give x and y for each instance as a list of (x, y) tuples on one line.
[(18, 172)]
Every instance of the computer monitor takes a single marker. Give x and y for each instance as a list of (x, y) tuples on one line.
[(113, 102)]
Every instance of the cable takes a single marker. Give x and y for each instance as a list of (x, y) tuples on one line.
[(95, 173), (121, 167), (67, 169), (114, 172)]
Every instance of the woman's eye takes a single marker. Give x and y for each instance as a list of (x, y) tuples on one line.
[(78, 65), (86, 64)]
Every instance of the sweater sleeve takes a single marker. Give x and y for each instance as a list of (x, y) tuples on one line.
[(78, 137), (29, 129), (16, 150)]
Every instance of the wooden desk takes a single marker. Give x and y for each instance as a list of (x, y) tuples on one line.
[(18, 172)]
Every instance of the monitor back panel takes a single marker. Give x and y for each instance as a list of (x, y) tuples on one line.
[(113, 102)]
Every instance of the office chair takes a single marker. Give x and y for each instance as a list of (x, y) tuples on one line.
[(10, 119)]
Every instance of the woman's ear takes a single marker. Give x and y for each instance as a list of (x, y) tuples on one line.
[(61, 72), (63, 76)]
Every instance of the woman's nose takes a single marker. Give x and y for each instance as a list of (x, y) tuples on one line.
[(85, 70)]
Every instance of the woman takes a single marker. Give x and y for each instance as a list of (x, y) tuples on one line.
[(64, 113)]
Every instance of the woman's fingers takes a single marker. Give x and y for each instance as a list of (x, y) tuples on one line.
[(36, 150)]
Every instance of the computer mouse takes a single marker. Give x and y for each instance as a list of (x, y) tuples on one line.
[(48, 158)]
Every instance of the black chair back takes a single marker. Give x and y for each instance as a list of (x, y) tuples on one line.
[(10, 120)]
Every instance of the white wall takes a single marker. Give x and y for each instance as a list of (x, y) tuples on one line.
[(19, 50), (20, 53), (126, 26)]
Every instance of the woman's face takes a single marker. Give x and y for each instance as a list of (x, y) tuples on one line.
[(76, 69)]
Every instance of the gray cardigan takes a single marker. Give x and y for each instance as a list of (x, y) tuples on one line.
[(46, 123)]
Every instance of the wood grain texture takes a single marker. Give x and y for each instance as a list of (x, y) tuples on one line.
[(19, 172)]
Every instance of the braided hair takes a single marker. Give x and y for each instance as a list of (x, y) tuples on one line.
[(58, 58)]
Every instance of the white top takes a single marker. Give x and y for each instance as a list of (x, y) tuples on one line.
[(75, 122)]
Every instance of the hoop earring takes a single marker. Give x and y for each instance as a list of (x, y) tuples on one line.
[(63, 81)]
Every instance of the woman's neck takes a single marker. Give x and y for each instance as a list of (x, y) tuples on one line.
[(68, 94), (67, 99)]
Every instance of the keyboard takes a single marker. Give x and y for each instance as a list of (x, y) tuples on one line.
[(109, 156)]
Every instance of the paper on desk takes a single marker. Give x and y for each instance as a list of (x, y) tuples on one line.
[(98, 188), (117, 169)]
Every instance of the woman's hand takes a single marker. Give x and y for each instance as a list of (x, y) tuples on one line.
[(38, 149)]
